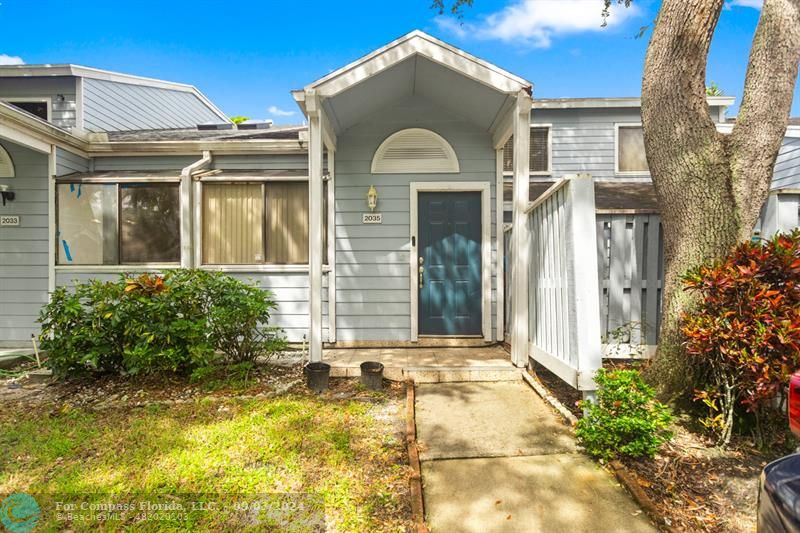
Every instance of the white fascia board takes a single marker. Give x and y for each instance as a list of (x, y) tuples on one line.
[(589, 103), (276, 146), (418, 43), (792, 131)]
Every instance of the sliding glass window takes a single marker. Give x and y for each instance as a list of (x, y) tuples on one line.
[(255, 223), (118, 223)]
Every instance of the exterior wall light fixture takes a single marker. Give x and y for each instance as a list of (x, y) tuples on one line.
[(372, 198)]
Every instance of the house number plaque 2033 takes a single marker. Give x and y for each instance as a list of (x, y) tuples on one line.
[(372, 218), (9, 220)]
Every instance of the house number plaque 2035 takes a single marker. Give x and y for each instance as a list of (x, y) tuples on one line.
[(372, 218)]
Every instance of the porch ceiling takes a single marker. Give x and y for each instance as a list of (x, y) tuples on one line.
[(418, 76)]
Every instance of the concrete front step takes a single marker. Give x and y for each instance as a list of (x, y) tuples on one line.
[(438, 374)]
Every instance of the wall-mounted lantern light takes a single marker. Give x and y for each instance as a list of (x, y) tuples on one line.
[(7, 194), (372, 198)]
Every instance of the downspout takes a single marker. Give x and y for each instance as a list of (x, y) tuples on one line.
[(188, 221)]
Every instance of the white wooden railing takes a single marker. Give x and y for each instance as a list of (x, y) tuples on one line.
[(564, 323)]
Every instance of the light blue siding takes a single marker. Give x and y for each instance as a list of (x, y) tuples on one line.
[(68, 163), (145, 163), (114, 106), (23, 248), (60, 89), (787, 165), (261, 162), (583, 139), (290, 291), (372, 269)]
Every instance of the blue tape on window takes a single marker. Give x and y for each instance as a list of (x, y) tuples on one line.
[(79, 190), (66, 250)]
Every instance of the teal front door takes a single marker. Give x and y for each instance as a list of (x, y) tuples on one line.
[(450, 296)]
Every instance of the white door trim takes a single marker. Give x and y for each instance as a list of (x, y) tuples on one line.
[(484, 187)]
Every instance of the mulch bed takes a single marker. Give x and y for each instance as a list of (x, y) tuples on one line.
[(692, 485)]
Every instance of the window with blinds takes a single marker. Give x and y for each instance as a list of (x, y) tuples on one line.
[(631, 156), (538, 153), (255, 223)]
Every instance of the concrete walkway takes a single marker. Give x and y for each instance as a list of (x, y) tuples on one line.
[(495, 457)]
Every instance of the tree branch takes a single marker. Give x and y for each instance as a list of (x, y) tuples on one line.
[(674, 106), (766, 102)]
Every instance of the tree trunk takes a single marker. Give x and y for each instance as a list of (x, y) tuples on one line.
[(710, 186)]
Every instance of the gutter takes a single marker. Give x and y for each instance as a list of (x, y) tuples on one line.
[(187, 229)]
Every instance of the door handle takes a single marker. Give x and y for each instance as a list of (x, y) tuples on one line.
[(421, 276)]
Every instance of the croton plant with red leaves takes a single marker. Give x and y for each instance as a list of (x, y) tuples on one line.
[(745, 329)]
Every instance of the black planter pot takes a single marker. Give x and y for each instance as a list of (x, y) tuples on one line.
[(317, 376), (372, 375)]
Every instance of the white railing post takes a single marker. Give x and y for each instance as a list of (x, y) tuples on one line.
[(583, 288), (520, 253)]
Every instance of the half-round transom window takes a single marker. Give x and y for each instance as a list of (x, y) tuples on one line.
[(6, 164), (414, 150)]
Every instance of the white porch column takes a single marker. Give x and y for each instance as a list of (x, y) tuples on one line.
[(331, 245), (315, 154), (500, 237), (519, 243)]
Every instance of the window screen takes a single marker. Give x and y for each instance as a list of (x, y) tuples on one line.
[(150, 223), (287, 223), (631, 155), (87, 224), (538, 155), (233, 215), (255, 223), (35, 108)]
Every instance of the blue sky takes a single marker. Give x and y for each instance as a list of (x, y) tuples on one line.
[(247, 55)]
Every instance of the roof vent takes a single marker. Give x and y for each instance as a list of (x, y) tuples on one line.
[(255, 125), (414, 150), (6, 164), (214, 126)]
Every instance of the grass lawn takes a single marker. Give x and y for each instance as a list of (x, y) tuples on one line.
[(341, 450)]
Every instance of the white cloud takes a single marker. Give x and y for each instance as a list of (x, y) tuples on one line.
[(536, 22), (755, 4), (278, 112), (10, 60)]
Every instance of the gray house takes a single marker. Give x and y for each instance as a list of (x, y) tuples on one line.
[(387, 220)]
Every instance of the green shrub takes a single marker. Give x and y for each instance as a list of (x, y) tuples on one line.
[(625, 420), (177, 323)]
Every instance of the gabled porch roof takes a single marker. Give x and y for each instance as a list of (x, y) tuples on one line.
[(416, 65)]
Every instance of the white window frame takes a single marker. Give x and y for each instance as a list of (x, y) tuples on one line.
[(198, 230), (121, 267), (549, 171), (22, 99), (617, 171)]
